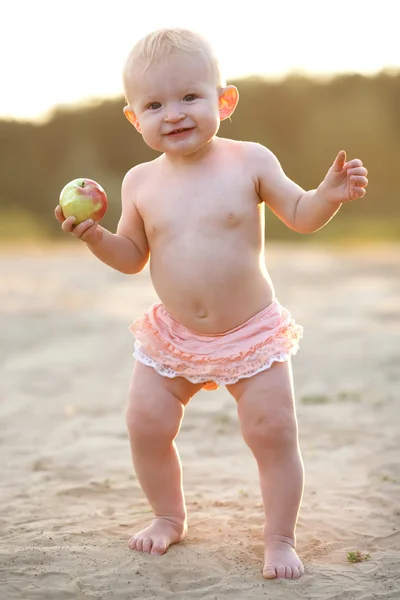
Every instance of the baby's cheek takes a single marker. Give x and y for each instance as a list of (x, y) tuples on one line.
[(152, 138)]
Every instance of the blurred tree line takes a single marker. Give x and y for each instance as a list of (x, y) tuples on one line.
[(304, 121)]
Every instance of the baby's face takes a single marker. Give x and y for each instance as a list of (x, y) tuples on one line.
[(176, 104)]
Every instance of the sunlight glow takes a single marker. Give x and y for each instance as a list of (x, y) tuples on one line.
[(70, 52)]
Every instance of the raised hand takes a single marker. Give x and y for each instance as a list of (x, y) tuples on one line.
[(345, 181)]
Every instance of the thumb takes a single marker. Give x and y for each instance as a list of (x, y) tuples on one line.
[(59, 214), (339, 161)]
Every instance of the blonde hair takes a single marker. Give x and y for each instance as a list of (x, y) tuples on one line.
[(159, 44)]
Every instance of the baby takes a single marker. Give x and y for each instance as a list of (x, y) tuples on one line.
[(197, 212)]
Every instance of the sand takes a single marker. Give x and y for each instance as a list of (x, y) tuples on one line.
[(69, 498)]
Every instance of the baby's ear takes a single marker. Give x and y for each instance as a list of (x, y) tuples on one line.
[(130, 115), (228, 99)]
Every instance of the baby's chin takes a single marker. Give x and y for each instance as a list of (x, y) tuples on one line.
[(192, 144), (198, 148)]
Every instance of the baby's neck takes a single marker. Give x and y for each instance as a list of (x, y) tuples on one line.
[(194, 157)]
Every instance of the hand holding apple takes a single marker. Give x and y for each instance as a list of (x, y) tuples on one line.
[(83, 199), (83, 203)]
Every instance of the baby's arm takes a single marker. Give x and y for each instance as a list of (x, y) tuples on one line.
[(306, 212), (127, 250)]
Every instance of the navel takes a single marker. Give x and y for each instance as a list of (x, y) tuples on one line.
[(201, 313)]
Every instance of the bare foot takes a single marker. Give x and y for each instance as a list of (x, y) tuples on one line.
[(157, 537), (281, 560)]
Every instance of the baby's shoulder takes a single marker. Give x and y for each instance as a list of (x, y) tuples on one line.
[(141, 172), (245, 149), (136, 180)]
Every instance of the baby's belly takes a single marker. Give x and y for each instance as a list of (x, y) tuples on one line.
[(212, 296)]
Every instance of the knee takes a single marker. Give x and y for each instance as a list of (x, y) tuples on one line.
[(147, 426), (271, 432)]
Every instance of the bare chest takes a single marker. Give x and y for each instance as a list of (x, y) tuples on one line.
[(199, 204)]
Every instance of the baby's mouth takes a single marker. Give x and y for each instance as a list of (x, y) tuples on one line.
[(180, 130)]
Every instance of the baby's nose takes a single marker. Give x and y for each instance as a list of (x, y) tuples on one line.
[(174, 117)]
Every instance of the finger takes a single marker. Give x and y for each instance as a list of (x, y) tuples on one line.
[(357, 192), (357, 171), (88, 232), (59, 214), (355, 162), (82, 228), (68, 224), (339, 161), (359, 180)]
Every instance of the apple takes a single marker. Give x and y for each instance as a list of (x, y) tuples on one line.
[(83, 199)]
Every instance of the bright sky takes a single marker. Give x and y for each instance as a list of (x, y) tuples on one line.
[(63, 52)]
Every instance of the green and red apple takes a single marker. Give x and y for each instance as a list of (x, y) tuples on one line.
[(83, 199)]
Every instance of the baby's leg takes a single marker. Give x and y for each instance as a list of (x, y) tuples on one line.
[(154, 414), (269, 426)]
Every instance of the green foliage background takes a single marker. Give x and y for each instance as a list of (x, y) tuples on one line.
[(305, 122)]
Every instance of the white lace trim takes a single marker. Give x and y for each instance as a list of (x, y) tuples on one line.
[(220, 380)]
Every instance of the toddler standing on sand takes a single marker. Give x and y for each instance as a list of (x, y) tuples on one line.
[(197, 211)]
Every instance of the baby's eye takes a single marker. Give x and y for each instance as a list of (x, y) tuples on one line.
[(153, 105), (190, 97)]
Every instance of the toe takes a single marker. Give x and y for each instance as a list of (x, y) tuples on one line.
[(288, 573), (147, 543), (281, 571), (296, 572), (139, 544), (132, 543), (269, 572), (159, 547)]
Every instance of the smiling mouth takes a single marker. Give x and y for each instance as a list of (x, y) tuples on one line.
[(180, 130)]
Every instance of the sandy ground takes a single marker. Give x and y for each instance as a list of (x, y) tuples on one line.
[(69, 498)]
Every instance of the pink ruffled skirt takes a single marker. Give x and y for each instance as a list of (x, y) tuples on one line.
[(214, 360)]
